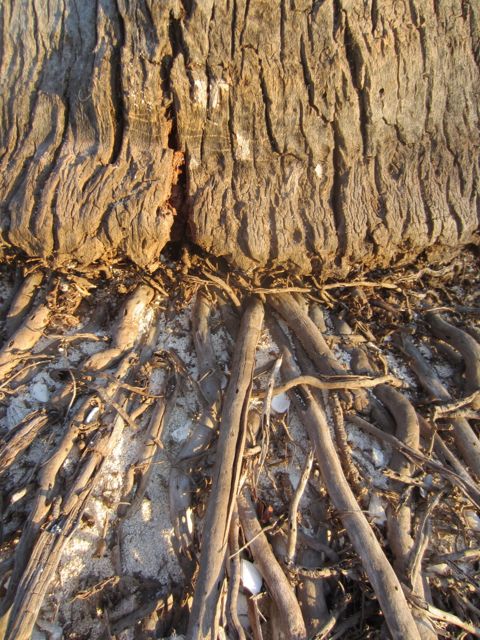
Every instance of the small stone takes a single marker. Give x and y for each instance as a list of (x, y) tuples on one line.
[(280, 403), (251, 577), (39, 392)]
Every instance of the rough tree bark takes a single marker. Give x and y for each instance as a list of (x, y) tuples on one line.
[(316, 134)]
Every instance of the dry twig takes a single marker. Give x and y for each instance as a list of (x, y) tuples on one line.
[(225, 476), (293, 513)]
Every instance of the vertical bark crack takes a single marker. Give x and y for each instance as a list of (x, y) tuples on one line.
[(336, 193), (117, 89), (354, 59), (307, 77), (267, 105)]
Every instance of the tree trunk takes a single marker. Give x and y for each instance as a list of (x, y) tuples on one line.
[(314, 134)]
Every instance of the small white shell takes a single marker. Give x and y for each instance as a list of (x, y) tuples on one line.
[(92, 415), (473, 521), (378, 457), (39, 391), (280, 403), (377, 510), (18, 495), (189, 520), (250, 577)]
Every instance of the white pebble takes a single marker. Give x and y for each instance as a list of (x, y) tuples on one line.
[(377, 510), (180, 434), (378, 457), (280, 403), (251, 578), (39, 391)]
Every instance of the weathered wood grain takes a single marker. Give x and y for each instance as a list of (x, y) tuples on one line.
[(315, 134)]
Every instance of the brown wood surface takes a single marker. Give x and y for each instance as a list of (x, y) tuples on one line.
[(313, 134)]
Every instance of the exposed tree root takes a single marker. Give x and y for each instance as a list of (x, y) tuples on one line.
[(313, 579), (277, 583), (234, 578), (54, 517), (21, 303), (399, 517), (21, 438), (463, 342), (465, 438), (23, 340), (181, 485), (379, 571), (313, 341), (202, 623), (124, 332)]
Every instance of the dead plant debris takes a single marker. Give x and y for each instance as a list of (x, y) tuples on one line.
[(207, 453)]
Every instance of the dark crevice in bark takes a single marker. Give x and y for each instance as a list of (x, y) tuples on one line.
[(477, 200), (179, 47), (354, 59), (429, 76), (308, 148), (474, 34), (337, 18), (307, 76), (283, 20), (210, 78), (414, 13), (267, 103), (245, 18), (179, 196), (2, 33), (382, 207), (316, 6), (398, 54), (273, 236), (53, 207), (430, 216), (453, 211), (336, 194), (233, 29), (148, 27), (374, 15), (117, 90), (188, 6)]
